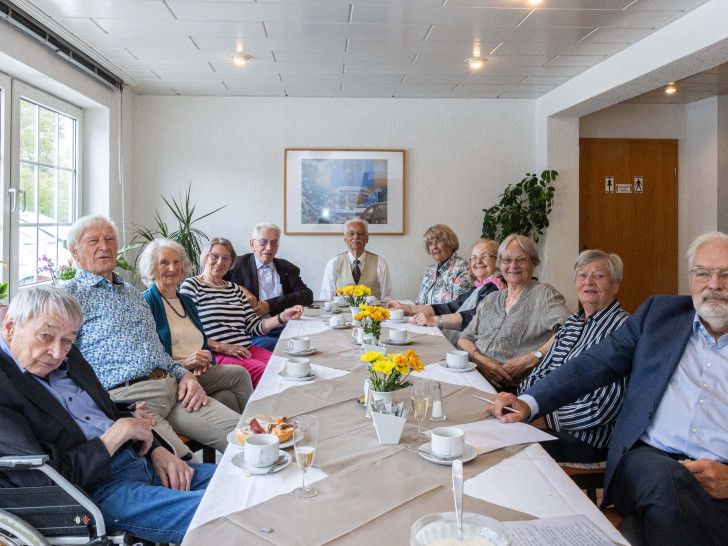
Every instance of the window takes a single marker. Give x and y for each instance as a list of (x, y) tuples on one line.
[(45, 149)]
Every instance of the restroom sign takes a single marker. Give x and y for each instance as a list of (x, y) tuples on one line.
[(638, 184), (624, 188), (609, 184)]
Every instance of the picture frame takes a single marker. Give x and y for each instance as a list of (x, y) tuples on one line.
[(323, 188)]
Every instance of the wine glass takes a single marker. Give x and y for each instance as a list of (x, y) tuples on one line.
[(305, 438), (420, 397)]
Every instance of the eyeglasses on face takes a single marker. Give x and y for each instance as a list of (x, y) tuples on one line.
[(702, 275), (478, 257), (434, 242), (217, 257), (265, 242), (357, 233), (518, 261)]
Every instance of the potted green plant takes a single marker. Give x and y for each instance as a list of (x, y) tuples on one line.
[(190, 237), (523, 208)]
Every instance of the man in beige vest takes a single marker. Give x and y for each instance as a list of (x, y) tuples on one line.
[(357, 266)]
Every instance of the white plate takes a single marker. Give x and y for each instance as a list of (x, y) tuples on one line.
[(397, 320), (469, 453), (300, 353), (331, 312), (239, 461), (340, 327), (233, 441), (390, 342), (309, 377), (471, 366)]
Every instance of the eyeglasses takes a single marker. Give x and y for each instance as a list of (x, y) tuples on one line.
[(434, 242), (476, 257), (357, 233), (265, 242), (702, 275), (225, 259), (519, 261)]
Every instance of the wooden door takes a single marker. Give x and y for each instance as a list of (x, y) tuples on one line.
[(633, 217)]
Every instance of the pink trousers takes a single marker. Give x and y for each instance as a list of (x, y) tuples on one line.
[(255, 365)]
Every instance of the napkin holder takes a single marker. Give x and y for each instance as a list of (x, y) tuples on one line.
[(389, 427), (367, 347)]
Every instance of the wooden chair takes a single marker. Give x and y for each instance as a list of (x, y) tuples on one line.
[(588, 476), (208, 453)]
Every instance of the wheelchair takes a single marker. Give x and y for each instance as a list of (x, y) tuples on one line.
[(56, 514)]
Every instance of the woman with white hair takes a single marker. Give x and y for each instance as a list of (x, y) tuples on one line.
[(226, 314), (162, 266), (583, 427), (512, 328)]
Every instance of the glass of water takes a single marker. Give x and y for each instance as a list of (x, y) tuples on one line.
[(305, 438)]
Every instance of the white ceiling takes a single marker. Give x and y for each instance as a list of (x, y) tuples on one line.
[(355, 48)]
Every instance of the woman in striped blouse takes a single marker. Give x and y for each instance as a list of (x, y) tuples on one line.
[(227, 316), (583, 428)]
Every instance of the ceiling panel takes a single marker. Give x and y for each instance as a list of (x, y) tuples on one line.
[(378, 48)]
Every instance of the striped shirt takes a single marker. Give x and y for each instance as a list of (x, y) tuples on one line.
[(225, 313), (590, 418)]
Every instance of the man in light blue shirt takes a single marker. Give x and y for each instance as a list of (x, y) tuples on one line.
[(667, 464)]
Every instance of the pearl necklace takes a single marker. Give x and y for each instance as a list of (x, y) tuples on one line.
[(210, 283)]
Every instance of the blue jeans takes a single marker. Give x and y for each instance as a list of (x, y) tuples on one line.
[(135, 501), (269, 340)]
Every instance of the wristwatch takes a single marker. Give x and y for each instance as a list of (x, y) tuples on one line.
[(538, 354), (439, 324)]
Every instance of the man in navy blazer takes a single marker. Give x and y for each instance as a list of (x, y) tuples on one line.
[(666, 466), (274, 284)]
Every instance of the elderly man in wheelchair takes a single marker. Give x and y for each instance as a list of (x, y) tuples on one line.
[(52, 404)]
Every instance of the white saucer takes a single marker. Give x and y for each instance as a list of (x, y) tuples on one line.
[(309, 377), (397, 320), (390, 342), (332, 312), (239, 461), (340, 327), (469, 453), (233, 441), (471, 366), (300, 353)]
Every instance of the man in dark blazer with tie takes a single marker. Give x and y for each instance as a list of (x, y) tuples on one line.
[(274, 284), (666, 467), (52, 403)]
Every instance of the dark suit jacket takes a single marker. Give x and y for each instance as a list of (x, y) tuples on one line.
[(295, 291), (33, 422), (648, 346)]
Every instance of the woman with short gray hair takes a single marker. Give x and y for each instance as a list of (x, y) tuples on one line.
[(449, 277), (226, 314)]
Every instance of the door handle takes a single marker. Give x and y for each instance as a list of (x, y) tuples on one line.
[(14, 195)]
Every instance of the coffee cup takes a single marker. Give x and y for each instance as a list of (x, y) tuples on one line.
[(358, 333), (396, 314), (298, 367), (337, 320), (397, 335), (331, 306), (299, 344), (372, 300), (456, 359), (448, 442), (261, 450), (340, 301)]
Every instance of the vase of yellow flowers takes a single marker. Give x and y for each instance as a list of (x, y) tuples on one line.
[(371, 317), (354, 295), (390, 373)]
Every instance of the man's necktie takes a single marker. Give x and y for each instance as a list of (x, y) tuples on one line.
[(356, 272)]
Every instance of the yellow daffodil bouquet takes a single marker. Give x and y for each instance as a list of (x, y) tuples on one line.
[(390, 373), (371, 318), (355, 295)]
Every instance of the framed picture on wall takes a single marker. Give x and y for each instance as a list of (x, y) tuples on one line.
[(325, 188)]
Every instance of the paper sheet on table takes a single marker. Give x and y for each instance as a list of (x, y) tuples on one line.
[(271, 383), (490, 434), (532, 482), (236, 490), (435, 372), (561, 531)]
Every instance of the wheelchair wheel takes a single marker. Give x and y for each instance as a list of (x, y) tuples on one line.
[(15, 531)]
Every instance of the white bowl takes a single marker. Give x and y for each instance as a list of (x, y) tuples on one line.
[(441, 529)]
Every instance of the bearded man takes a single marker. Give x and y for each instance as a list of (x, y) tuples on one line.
[(666, 468)]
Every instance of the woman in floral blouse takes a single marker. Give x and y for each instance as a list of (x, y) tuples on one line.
[(449, 276)]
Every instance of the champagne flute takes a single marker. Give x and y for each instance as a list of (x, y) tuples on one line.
[(420, 397), (305, 438)]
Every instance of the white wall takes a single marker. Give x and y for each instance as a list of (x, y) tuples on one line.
[(460, 155)]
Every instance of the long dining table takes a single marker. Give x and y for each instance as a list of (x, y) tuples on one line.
[(371, 493)]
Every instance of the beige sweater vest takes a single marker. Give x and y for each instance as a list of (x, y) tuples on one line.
[(368, 276)]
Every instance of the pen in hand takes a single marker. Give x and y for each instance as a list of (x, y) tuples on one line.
[(506, 408)]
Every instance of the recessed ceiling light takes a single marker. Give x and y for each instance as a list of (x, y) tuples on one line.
[(475, 62), (240, 60), (534, 2), (670, 89)]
